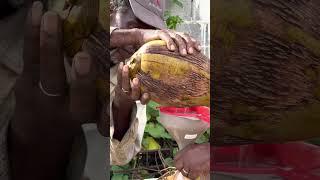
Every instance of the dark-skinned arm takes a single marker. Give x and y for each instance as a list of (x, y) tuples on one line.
[(124, 102), (123, 37), (122, 118)]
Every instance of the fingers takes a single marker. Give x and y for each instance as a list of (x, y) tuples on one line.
[(180, 153), (185, 43), (193, 167), (189, 42), (193, 174), (133, 90), (178, 164), (196, 44), (119, 75), (145, 98), (125, 78), (205, 169), (82, 89), (185, 171), (135, 87), (31, 41), (166, 37), (180, 42), (52, 73)]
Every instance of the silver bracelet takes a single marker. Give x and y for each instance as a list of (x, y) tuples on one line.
[(46, 93)]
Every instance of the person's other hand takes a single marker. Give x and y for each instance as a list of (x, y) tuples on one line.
[(194, 160), (126, 94), (48, 112), (183, 41)]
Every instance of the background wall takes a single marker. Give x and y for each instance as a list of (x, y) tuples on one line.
[(196, 16)]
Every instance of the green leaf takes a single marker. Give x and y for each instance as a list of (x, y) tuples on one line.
[(208, 132), (156, 130), (126, 167), (120, 177), (145, 142), (173, 21), (175, 151), (120, 168), (178, 3), (116, 168), (153, 105), (152, 110), (169, 161), (149, 116), (202, 139), (150, 144), (166, 136)]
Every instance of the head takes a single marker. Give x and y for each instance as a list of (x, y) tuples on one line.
[(122, 16)]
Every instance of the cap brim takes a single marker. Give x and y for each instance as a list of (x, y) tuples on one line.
[(146, 15)]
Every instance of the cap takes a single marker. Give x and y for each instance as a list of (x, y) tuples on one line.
[(150, 12)]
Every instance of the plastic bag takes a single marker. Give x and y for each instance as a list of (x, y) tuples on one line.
[(185, 125)]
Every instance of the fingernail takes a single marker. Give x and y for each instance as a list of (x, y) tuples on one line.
[(125, 68), (50, 22), (199, 47), (184, 51), (191, 50), (173, 47), (135, 81)]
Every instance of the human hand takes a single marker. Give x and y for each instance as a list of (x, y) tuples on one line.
[(48, 112), (126, 94), (194, 160), (183, 41)]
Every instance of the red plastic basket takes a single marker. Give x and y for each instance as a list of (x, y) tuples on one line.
[(290, 161)]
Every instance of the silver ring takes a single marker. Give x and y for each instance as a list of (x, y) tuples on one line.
[(125, 91), (185, 172), (46, 93)]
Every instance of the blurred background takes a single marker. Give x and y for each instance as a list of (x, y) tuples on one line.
[(195, 16)]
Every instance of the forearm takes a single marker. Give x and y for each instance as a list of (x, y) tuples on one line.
[(123, 37), (122, 152), (121, 121)]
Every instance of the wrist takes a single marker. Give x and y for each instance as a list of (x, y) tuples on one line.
[(137, 34), (121, 121), (125, 37), (124, 104), (122, 110)]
